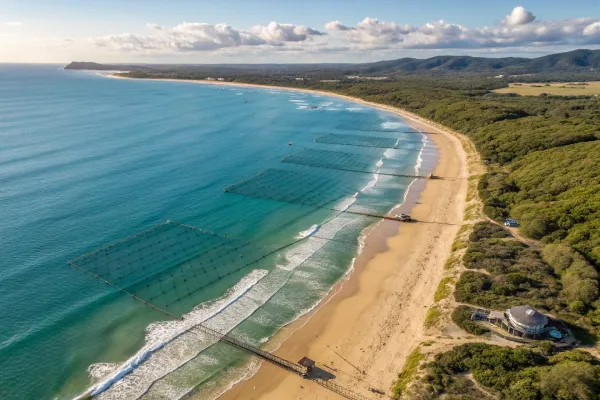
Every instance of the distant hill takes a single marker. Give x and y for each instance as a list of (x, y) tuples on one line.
[(573, 61), (106, 67)]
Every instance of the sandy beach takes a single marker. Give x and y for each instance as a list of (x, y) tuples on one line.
[(364, 330)]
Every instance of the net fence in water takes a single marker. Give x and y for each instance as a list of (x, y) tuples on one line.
[(405, 143), (169, 262), (374, 126), (294, 187), (346, 162)]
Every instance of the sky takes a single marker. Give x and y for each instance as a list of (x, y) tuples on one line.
[(288, 31)]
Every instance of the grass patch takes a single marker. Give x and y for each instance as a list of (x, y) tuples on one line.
[(471, 212), (432, 317), (463, 229), (554, 88), (451, 262), (472, 192), (408, 372), (442, 290), (458, 244)]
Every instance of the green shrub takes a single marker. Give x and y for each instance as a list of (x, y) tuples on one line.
[(487, 230), (558, 256), (577, 306), (518, 275), (513, 373), (461, 316), (571, 380)]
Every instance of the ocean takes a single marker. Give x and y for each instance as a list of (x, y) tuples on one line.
[(86, 160)]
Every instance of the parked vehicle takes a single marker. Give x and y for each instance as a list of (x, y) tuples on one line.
[(511, 223)]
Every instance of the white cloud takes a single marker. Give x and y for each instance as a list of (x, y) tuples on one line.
[(13, 23), (372, 31), (519, 16), (518, 30), (592, 29), (196, 36), (337, 26), (275, 32)]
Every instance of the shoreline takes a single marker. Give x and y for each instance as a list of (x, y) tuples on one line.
[(374, 316), (417, 119)]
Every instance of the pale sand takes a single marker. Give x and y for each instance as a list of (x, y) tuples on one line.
[(376, 317)]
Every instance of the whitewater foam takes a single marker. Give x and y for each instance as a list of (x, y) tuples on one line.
[(309, 232), (159, 334), (393, 125)]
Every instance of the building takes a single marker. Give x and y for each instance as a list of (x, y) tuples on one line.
[(525, 323), (526, 320)]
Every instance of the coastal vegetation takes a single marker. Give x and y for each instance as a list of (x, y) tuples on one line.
[(443, 290), (554, 193), (504, 272), (432, 317), (408, 372), (513, 373), (461, 316), (542, 155)]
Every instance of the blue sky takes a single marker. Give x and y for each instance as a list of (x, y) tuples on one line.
[(289, 31)]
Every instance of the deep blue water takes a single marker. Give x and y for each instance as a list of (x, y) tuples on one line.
[(86, 160)]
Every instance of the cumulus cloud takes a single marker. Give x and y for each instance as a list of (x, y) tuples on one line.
[(337, 26), (275, 32), (372, 31), (196, 36), (592, 29), (13, 23), (518, 29), (519, 16)]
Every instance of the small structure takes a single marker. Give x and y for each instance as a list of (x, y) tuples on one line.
[(404, 218), (307, 363), (526, 320)]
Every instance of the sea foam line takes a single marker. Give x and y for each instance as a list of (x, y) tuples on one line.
[(174, 329), (294, 259)]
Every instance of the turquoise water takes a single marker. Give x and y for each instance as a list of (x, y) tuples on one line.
[(86, 160)]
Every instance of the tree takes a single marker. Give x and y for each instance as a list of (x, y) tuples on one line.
[(537, 228), (559, 256), (570, 381)]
